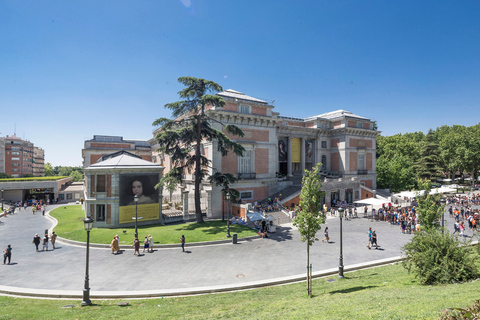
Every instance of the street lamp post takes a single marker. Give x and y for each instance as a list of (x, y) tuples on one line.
[(340, 262), (88, 223), (227, 196), (136, 204), (2, 199), (442, 201)]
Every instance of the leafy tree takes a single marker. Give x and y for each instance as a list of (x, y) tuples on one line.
[(181, 138), (76, 176), (49, 170), (427, 166), (309, 214), (396, 173), (4, 175), (429, 208), (170, 183)]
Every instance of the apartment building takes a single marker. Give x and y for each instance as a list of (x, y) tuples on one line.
[(18, 156), (38, 162)]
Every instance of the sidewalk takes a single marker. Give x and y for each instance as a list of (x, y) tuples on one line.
[(201, 269)]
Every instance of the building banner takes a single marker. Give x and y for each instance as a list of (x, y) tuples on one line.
[(143, 186), (145, 212), (296, 149)]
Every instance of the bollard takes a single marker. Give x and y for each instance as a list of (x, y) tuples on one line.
[(234, 238)]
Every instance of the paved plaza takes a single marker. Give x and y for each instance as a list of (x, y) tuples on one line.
[(168, 271)]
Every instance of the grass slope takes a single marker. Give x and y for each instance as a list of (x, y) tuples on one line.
[(379, 293), (70, 226)]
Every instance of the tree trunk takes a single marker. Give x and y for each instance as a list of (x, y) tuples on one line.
[(309, 290), (198, 168)]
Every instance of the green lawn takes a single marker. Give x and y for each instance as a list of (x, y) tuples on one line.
[(70, 226), (379, 293)]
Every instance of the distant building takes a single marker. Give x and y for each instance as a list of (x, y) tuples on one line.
[(101, 146), (17, 156), (38, 162)]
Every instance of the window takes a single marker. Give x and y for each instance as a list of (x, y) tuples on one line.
[(244, 109), (69, 196), (361, 143), (15, 153), (245, 162), (15, 164), (15, 170), (100, 212), (324, 144), (324, 162), (361, 161), (359, 125), (246, 195), (15, 159), (15, 149), (101, 183)]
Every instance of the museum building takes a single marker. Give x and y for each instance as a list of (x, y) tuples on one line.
[(278, 149)]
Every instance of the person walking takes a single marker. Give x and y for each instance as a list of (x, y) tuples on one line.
[(7, 254), (150, 242), (36, 241), (136, 245), (114, 245), (146, 245), (462, 229), (53, 238), (327, 238), (374, 239), (182, 241), (45, 242), (369, 244)]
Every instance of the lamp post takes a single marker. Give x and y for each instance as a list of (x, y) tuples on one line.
[(442, 201), (340, 262), (227, 196), (88, 223), (136, 205), (2, 199)]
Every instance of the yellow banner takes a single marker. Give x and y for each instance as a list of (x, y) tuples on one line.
[(296, 149), (145, 211)]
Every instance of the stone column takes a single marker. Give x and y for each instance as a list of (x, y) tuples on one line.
[(289, 156), (209, 204), (302, 155), (185, 205)]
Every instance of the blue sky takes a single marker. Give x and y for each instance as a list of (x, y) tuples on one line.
[(73, 69)]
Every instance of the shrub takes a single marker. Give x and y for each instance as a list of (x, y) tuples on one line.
[(435, 257), (472, 312)]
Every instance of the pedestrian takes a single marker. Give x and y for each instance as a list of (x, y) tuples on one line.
[(182, 241), (150, 242), (114, 245), (327, 238), (36, 241), (45, 242), (25, 206), (462, 229), (369, 244), (33, 209), (136, 245), (53, 238), (7, 254), (146, 244), (374, 239)]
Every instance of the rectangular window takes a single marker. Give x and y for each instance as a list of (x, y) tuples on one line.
[(244, 109), (15, 159), (324, 144), (101, 183), (16, 153), (100, 212), (246, 195), (361, 161), (15, 149), (359, 125), (69, 196), (245, 162)]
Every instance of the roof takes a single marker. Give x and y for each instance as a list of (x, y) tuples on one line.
[(337, 114), (229, 93), (123, 160)]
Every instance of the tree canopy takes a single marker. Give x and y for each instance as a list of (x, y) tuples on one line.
[(181, 138)]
